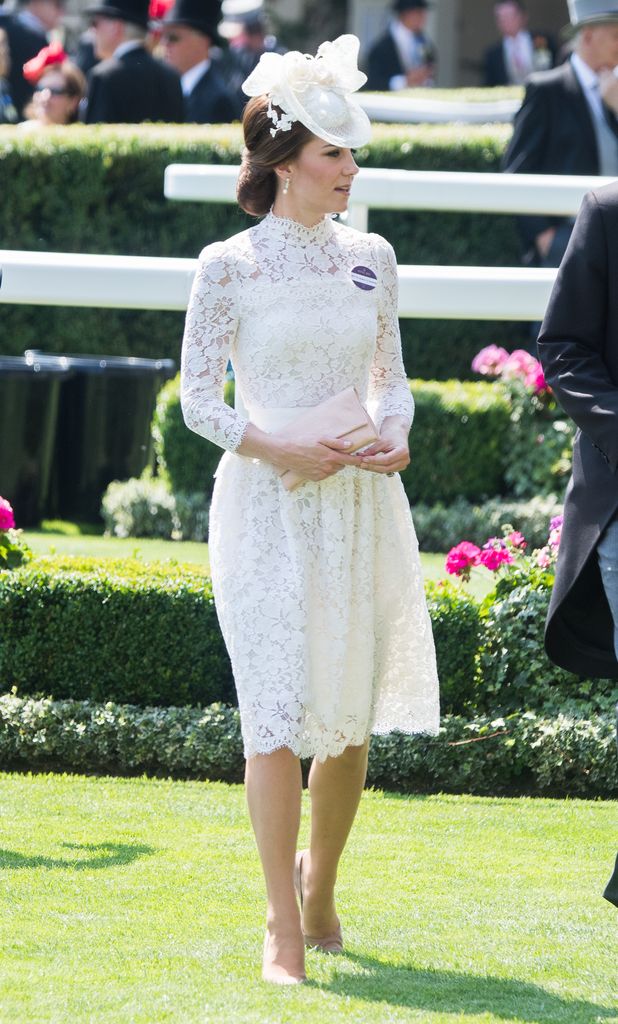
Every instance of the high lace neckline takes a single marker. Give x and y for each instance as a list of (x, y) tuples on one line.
[(293, 230)]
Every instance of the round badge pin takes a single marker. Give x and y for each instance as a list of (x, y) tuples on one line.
[(364, 278)]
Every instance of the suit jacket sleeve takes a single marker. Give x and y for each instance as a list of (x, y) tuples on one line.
[(380, 67), (100, 108), (573, 335), (526, 151)]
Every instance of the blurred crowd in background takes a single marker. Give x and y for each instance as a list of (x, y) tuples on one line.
[(185, 60)]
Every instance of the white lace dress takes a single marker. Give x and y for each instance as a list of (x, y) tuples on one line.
[(318, 591)]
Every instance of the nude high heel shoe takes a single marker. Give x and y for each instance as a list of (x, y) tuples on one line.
[(274, 972), (332, 943)]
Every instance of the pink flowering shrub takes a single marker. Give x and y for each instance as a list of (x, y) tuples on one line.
[(519, 365), (507, 553), (496, 552), (539, 453), (13, 551)]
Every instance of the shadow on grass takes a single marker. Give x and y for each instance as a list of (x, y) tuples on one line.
[(450, 992), (105, 855)]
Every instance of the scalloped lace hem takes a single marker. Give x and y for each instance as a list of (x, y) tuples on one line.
[(310, 747)]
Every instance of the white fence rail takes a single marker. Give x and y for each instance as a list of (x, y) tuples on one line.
[(380, 189), (473, 293), (412, 110), (145, 282)]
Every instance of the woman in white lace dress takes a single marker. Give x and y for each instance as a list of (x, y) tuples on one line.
[(318, 590)]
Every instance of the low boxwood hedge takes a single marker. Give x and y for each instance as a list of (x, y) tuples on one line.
[(114, 176), (522, 754), (99, 629)]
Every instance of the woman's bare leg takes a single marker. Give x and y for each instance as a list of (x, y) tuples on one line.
[(335, 787), (274, 789)]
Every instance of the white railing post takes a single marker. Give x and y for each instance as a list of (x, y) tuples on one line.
[(358, 216)]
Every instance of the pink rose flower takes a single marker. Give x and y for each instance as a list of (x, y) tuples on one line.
[(495, 553), (543, 559), (490, 360), (539, 384), (461, 558), (517, 540), (493, 558), (7, 519), (521, 364)]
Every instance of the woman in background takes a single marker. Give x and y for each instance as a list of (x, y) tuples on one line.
[(59, 88)]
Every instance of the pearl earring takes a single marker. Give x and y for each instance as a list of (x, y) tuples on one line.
[(286, 186)]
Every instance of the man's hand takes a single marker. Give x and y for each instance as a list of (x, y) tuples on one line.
[(544, 240)]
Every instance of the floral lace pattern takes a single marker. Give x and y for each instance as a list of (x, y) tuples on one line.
[(319, 591)]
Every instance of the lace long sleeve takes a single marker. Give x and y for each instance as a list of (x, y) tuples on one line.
[(389, 392), (210, 328)]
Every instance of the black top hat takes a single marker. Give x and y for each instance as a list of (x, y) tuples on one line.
[(203, 15), (410, 5), (135, 11)]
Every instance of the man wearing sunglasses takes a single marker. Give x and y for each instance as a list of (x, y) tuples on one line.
[(129, 86)]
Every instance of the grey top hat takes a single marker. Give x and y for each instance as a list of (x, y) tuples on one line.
[(592, 12)]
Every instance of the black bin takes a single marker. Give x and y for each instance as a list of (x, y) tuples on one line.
[(106, 408), (29, 401)]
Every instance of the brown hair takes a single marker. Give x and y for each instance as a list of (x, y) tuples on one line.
[(257, 181)]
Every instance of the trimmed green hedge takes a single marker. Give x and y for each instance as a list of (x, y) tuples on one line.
[(112, 630), (522, 754), (184, 459), (99, 189), (100, 629), (459, 442)]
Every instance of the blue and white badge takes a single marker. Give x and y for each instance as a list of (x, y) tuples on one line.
[(364, 278)]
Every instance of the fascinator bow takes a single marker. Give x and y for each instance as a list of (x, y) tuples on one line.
[(44, 59), (290, 80)]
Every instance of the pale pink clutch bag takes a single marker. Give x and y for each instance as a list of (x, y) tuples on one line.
[(341, 416)]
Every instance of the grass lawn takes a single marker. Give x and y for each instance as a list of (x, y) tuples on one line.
[(66, 539), (136, 901)]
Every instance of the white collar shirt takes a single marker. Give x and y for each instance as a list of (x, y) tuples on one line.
[(589, 81), (126, 47), (191, 77), (519, 56)]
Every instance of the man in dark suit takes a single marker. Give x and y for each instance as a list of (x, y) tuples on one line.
[(520, 51), (404, 56), (27, 31), (563, 125), (578, 347), (129, 86), (189, 31)]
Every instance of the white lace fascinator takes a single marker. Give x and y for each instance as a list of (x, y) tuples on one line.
[(317, 91)]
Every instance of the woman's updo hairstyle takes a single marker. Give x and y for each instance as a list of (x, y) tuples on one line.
[(257, 181)]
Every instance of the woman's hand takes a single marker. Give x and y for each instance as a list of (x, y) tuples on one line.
[(388, 455), (314, 459)]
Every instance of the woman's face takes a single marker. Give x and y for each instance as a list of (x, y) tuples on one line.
[(52, 103), (321, 177)]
